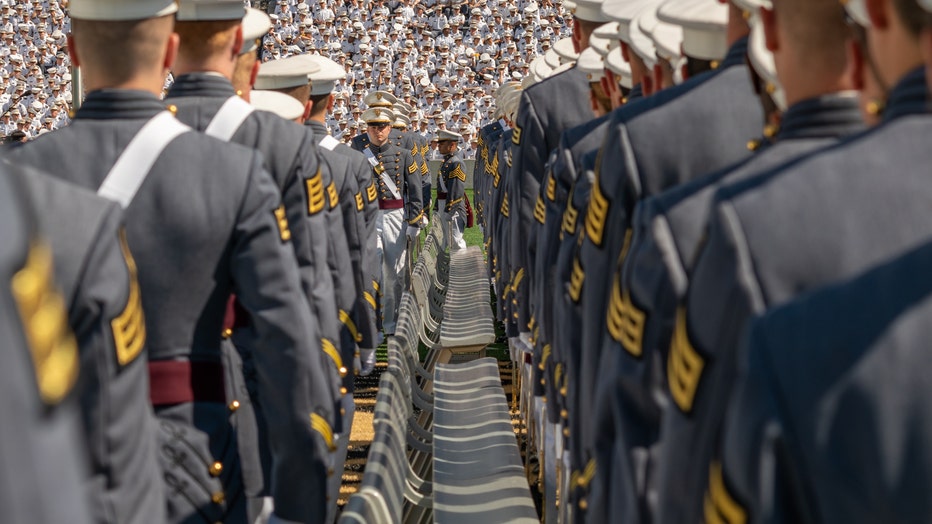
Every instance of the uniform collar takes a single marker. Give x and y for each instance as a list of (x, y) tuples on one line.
[(204, 84), (380, 149), (831, 115), (320, 130), (121, 104), (909, 97)]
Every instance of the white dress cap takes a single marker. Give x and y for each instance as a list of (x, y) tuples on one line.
[(203, 10), (325, 79), (590, 10), (704, 23), (565, 50), (286, 73), (256, 24), (281, 104), (116, 10), (623, 12), (616, 63), (590, 64), (667, 38)]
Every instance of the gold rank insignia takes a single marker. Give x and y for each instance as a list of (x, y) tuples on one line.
[(372, 193), (414, 150), (516, 135), (360, 204), (129, 328), (719, 505), (570, 215), (320, 425), (684, 366), (282, 220), (45, 324), (577, 277), (551, 188), (625, 321), (315, 194), (459, 173), (540, 210), (412, 168), (598, 212), (504, 208), (333, 195)]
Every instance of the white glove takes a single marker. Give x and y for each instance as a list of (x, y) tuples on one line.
[(412, 232), (367, 359), (423, 222)]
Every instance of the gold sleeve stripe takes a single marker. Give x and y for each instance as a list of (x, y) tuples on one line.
[(424, 169), (348, 322), (587, 474), (42, 311), (540, 210), (282, 220), (315, 193), (333, 194), (369, 298), (360, 203), (597, 214), (375, 286), (454, 202), (516, 135), (504, 208), (372, 193), (334, 355), (719, 506), (321, 426), (515, 282), (625, 321), (412, 168), (129, 328), (415, 219), (551, 188), (684, 366), (577, 278), (414, 150)]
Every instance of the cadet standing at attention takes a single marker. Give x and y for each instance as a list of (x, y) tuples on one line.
[(207, 101), (452, 183), (400, 213), (43, 472), (202, 219)]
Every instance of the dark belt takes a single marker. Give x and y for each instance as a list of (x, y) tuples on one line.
[(441, 196), (182, 381), (391, 204)]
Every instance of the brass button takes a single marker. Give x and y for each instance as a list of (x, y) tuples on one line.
[(234, 406), (216, 469), (227, 333), (563, 391), (583, 505), (218, 497), (173, 109), (564, 413), (343, 372), (330, 472), (541, 382), (541, 366), (566, 432), (342, 411), (343, 390)]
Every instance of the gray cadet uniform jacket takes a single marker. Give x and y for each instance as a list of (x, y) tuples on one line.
[(289, 155), (771, 238), (831, 420), (358, 216), (710, 118), (546, 109), (668, 230), (96, 275), (453, 176), (207, 221), (480, 175), (396, 156), (43, 473)]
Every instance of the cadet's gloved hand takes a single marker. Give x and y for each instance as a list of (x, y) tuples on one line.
[(412, 232), (422, 223), (367, 360)]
